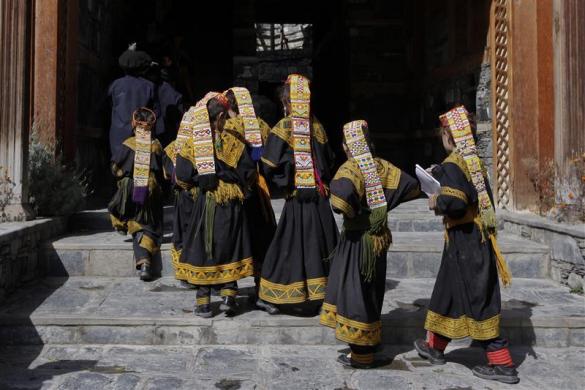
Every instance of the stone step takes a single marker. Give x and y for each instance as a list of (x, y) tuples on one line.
[(82, 310), (413, 255), (408, 217), (99, 220)]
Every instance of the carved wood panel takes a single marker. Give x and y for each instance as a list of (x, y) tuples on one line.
[(500, 35)]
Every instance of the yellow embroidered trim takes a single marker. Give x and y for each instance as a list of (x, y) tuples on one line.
[(367, 358), (453, 192), (328, 314), (235, 126), (319, 132), (202, 301), (134, 227), (351, 171), (283, 130), (228, 292), (118, 224), (149, 244), (389, 174), (268, 162), (231, 149), (298, 292), (457, 159), (217, 274), (188, 151), (184, 185), (350, 331), (264, 130), (155, 146), (342, 205), (175, 256), (457, 328), (171, 152)]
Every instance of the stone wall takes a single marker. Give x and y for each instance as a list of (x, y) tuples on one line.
[(567, 244), (19, 246)]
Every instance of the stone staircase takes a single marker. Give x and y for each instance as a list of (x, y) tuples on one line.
[(92, 296)]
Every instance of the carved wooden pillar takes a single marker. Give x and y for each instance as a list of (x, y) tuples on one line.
[(14, 100), (501, 97)]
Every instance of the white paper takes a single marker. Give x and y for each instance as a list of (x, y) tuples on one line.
[(428, 184)]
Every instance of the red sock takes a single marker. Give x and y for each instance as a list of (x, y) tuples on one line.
[(436, 341), (501, 357)]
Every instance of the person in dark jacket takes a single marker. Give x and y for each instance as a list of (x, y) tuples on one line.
[(129, 93)]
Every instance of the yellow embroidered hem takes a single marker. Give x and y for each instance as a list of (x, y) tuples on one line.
[(342, 205), (350, 331), (218, 274), (458, 328), (175, 256), (311, 289)]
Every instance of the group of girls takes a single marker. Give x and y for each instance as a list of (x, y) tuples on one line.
[(226, 164)]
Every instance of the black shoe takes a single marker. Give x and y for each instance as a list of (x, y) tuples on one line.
[(434, 356), (267, 307), (502, 374), (347, 361), (145, 274), (229, 306), (203, 311)]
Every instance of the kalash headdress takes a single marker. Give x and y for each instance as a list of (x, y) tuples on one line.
[(457, 121), (377, 238), (300, 100), (185, 131), (252, 132), (142, 133), (202, 135)]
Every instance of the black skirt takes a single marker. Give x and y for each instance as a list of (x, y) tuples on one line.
[(353, 306), (183, 215), (231, 258), (295, 268), (260, 216), (466, 299)]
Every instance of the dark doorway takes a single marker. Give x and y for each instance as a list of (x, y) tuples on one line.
[(398, 64)]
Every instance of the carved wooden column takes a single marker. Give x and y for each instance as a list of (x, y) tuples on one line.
[(501, 97), (14, 100)]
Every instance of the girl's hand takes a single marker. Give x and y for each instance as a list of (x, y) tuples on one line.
[(433, 202)]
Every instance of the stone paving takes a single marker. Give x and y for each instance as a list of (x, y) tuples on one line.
[(125, 310), (122, 367)]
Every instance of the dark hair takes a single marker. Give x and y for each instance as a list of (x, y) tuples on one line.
[(143, 114), (284, 94), (231, 97), (214, 108)]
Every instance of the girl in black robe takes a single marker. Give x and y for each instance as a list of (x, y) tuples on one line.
[(466, 298), (296, 265), (355, 292), (216, 247), (257, 205), (136, 207)]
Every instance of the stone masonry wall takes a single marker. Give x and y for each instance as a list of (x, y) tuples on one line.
[(567, 244), (19, 247)]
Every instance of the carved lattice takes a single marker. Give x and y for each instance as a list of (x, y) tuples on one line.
[(501, 92)]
